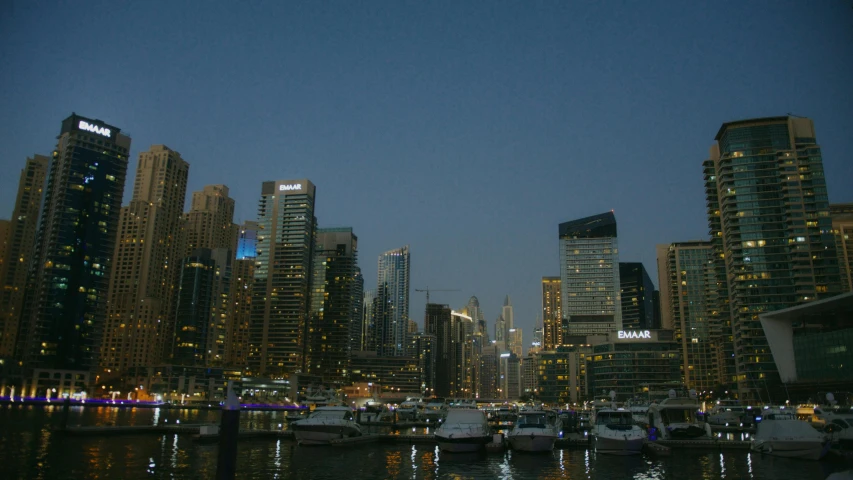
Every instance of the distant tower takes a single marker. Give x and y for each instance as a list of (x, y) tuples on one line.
[(589, 275), (392, 302), (552, 317)]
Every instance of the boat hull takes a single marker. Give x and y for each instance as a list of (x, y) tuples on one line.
[(618, 445), (532, 442), (462, 445), (807, 450), (322, 434)]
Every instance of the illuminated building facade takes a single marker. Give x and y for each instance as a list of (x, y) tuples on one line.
[(66, 300), (280, 296), (637, 291), (19, 245), (391, 312), (778, 251), (842, 229), (552, 316), (589, 274)]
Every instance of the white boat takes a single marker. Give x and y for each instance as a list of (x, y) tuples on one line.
[(535, 431), (675, 418), (727, 412), (781, 434), (838, 423), (615, 432), (325, 424), (434, 412), (411, 409), (464, 430)]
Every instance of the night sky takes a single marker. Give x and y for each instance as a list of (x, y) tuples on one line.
[(468, 130)]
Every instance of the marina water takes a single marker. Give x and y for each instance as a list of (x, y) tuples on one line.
[(30, 449)]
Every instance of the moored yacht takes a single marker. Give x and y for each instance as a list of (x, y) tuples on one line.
[(325, 424), (675, 418), (464, 430), (727, 412), (615, 432), (534, 431), (435, 411), (411, 409), (781, 434)]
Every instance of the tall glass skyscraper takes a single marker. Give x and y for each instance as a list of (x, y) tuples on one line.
[(589, 275), (280, 297), (392, 303), (333, 295), (552, 317), (766, 185), (66, 304), (636, 289), (688, 283)]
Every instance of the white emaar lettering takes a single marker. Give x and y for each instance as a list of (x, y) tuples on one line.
[(285, 188), (90, 127), (635, 334)]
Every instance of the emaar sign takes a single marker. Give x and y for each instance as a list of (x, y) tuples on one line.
[(291, 187), (632, 334), (91, 127)]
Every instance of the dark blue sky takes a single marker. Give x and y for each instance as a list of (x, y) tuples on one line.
[(468, 130)]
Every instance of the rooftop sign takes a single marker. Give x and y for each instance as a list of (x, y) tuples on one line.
[(635, 334)]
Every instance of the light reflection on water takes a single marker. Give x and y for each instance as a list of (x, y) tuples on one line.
[(30, 449)]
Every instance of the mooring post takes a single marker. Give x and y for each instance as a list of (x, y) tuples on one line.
[(229, 429)]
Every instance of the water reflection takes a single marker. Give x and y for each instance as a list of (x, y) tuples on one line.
[(30, 448)]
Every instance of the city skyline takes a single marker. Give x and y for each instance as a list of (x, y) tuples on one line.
[(508, 246)]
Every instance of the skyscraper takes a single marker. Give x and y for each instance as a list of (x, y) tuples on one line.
[(194, 322), (148, 253), (368, 319), (842, 228), (332, 304), (765, 178), (552, 317), (282, 286), (20, 242), (237, 340), (439, 324), (637, 296), (66, 300), (209, 221), (589, 275), (392, 302), (357, 330), (688, 282)]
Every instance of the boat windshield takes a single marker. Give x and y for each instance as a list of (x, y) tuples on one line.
[(678, 415), (780, 416), (614, 418), (531, 421), (345, 414)]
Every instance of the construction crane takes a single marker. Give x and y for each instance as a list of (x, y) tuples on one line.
[(427, 290)]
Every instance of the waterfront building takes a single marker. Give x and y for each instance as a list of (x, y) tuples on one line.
[(656, 322), (842, 229), (19, 243), (462, 355), (765, 178), (515, 341), (510, 377), (388, 374), (489, 368), (538, 332), (392, 302), (688, 281), (424, 350), (439, 324), (509, 322), (209, 221), (147, 262), (632, 358), (332, 304), (247, 240), (561, 374), (811, 348), (368, 317), (281, 291), (357, 331), (528, 375), (636, 290), (66, 297), (589, 275), (239, 314), (552, 316)]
